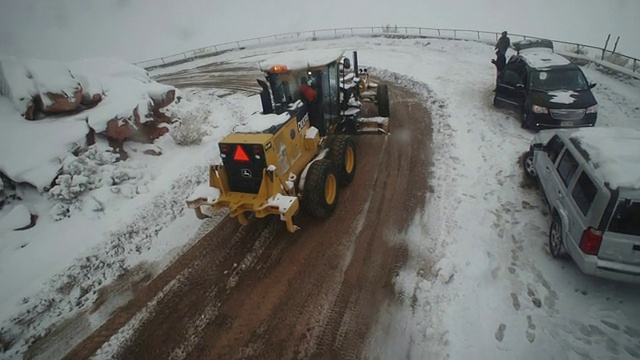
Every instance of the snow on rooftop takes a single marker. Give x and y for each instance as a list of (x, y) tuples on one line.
[(614, 153), (259, 122), (542, 57), (303, 59)]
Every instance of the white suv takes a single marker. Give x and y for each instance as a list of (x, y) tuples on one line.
[(591, 180)]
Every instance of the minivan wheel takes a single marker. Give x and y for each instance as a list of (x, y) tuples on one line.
[(527, 165), (556, 238), (524, 124)]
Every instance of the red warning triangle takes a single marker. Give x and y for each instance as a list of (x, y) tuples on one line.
[(240, 155)]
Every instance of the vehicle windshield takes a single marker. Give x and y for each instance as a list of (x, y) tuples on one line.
[(280, 88), (565, 79), (625, 218)]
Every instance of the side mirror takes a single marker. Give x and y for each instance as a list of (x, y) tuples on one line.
[(538, 146), (592, 85), (346, 63), (520, 87)]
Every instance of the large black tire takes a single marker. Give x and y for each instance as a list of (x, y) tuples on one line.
[(321, 188), (382, 96), (527, 165), (342, 151), (556, 238)]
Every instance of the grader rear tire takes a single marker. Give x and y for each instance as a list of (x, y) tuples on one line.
[(342, 151), (321, 189), (383, 100)]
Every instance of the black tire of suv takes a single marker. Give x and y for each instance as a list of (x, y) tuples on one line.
[(342, 151), (321, 180), (382, 96), (527, 165), (556, 239)]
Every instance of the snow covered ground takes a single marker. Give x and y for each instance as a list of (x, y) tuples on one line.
[(479, 282)]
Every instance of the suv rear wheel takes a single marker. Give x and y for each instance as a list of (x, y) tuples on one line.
[(556, 238)]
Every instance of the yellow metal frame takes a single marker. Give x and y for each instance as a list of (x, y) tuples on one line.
[(286, 158)]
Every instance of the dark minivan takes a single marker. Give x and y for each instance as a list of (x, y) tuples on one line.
[(549, 90)]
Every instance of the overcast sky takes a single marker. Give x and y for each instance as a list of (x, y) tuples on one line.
[(144, 29)]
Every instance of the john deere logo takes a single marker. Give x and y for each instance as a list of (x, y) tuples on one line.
[(246, 173)]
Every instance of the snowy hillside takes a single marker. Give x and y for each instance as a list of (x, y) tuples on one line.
[(497, 293)]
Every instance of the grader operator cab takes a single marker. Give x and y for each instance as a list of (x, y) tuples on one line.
[(299, 150)]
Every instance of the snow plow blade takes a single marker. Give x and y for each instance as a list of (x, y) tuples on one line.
[(375, 125)]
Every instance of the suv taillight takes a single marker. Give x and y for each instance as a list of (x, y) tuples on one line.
[(590, 242)]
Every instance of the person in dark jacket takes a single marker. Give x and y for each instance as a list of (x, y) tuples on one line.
[(501, 48)]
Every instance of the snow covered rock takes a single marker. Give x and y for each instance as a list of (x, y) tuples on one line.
[(18, 217), (38, 86), (95, 96)]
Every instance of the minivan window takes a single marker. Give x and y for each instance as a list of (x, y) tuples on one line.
[(511, 78), (567, 167), (554, 147), (561, 79), (584, 192), (625, 218)]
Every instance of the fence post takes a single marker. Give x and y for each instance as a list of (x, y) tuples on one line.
[(615, 46), (439, 33), (455, 34), (634, 65), (478, 35), (606, 43), (163, 63), (420, 31)]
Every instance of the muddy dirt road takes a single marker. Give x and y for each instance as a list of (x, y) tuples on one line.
[(259, 292)]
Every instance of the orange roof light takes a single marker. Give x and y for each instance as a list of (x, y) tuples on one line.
[(240, 155), (278, 69)]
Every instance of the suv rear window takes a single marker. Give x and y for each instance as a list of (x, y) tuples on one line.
[(625, 218)]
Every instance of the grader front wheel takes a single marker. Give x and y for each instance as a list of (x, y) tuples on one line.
[(342, 151), (321, 189), (382, 95)]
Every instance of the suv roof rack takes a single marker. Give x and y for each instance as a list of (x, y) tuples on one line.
[(529, 44)]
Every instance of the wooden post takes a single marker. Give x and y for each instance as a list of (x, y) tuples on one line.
[(606, 43)]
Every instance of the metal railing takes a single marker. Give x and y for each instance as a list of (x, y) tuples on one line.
[(615, 61)]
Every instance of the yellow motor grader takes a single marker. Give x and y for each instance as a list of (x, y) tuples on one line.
[(297, 150)]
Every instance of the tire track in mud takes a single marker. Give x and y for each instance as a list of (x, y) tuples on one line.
[(260, 292)]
